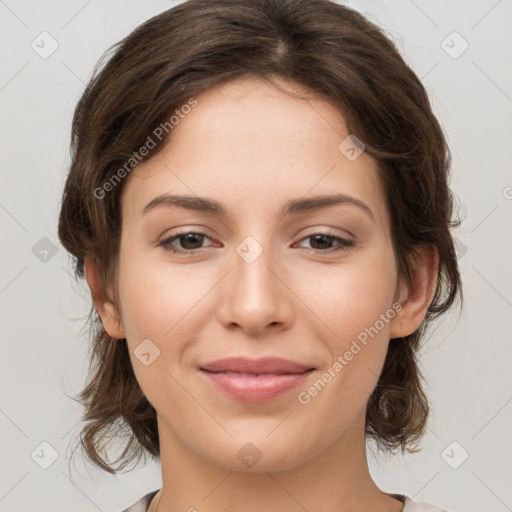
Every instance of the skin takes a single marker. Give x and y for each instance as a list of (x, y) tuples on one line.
[(252, 147)]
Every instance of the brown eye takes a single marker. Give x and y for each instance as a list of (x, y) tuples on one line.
[(190, 242), (322, 243)]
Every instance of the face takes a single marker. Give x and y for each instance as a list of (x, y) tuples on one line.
[(317, 286)]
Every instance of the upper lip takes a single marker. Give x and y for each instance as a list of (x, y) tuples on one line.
[(256, 366)]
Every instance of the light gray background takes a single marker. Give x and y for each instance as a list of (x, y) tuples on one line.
[(467, 361)]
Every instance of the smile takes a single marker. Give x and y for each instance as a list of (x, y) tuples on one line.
[(250, 387)]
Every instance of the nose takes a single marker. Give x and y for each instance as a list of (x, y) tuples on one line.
[(254, 296)]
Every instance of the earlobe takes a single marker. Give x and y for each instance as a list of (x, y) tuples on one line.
[(104, 305), (418, 295)]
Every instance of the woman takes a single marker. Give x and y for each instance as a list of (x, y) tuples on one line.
[(259, 202)]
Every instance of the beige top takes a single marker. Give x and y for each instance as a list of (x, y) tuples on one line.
[(409, 504)]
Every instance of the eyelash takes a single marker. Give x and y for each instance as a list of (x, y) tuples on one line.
[(344, 245)]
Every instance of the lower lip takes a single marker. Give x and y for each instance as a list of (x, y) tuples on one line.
[(255, 389)]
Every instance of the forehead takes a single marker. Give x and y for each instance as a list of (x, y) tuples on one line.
[(247, 142)]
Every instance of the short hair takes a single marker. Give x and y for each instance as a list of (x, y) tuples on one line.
[(334, 52)]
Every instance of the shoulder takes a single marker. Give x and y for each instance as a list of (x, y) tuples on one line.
[(143, 504), (412, 506)]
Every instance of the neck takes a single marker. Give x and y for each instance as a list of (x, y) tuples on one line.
[(337, 478)]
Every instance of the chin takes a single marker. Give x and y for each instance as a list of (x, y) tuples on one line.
[(260, 455)]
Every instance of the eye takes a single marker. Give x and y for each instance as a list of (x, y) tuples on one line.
[(191, 242), (322, 240)]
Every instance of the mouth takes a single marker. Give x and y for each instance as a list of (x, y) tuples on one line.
[(241, 374), (255, 380), (261, 366)]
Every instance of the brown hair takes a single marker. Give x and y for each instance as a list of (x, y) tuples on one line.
[(337, 54)]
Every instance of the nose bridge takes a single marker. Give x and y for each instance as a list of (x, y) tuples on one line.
[(254, 295), (254, 281)]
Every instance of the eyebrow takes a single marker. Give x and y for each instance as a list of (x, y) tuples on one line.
[(293, 206)]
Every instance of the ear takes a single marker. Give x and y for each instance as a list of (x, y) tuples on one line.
[(104, 305), (416, 299)]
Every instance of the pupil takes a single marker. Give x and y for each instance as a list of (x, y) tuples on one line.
[(320, 238), (189, 238)]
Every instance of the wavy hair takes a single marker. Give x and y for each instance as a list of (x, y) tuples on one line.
[(336, 53)]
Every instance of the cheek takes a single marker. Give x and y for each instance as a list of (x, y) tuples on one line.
[(350, 296), (355, 309), (162, 305), (161, 302), (354, 303), (141, 300)]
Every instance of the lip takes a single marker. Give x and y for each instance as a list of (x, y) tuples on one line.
[(256, 366), (255, 380)]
